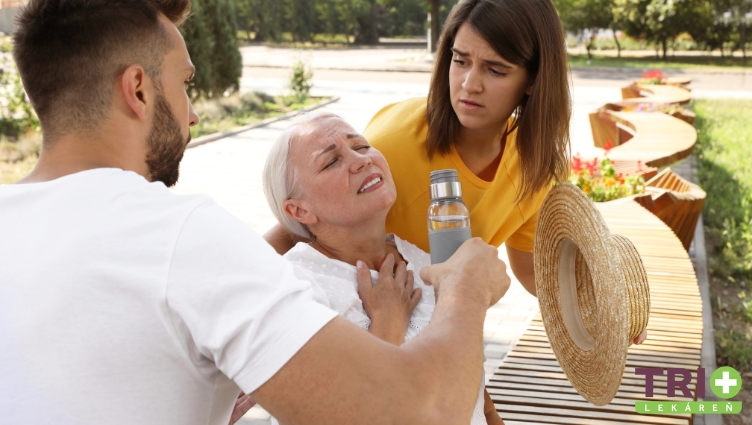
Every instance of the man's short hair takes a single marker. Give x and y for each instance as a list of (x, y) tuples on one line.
[(70, 52)]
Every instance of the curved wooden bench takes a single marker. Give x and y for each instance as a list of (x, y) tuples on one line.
[(631, 105), (656, 93), (654, 138), (677, 202), (682, 82)]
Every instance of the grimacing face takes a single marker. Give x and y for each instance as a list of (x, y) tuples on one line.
[(344, 180), (484, 87)]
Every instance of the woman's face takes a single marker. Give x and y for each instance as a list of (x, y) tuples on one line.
[(484, 87), (344, 180)]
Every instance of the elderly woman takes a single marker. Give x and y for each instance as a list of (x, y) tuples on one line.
[(325, 183)]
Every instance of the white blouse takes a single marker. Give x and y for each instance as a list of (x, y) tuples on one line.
[(335, 285)]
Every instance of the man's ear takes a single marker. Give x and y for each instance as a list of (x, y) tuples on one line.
[(298, 210), (133, 83)]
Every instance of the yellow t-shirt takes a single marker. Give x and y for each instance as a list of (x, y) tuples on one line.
[(399, 131)]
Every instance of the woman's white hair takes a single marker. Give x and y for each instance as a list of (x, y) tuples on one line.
[(281, 180)]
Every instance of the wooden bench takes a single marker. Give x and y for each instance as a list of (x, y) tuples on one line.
[(656, 93), (677, 202), (530, 386), (653, 138), (682, 82)]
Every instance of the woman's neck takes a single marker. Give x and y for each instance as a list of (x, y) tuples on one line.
[(366, 243), (481, 150)]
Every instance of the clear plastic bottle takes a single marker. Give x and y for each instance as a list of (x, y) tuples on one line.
[(448, 216)]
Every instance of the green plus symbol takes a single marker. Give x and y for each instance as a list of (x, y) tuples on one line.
[(725, 382)]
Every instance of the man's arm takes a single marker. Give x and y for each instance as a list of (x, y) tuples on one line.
[(523, 267), (345, 375), (282, 240)]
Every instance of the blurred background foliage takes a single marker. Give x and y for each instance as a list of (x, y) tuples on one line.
[(211, 37), (346, 21), (712, 25)]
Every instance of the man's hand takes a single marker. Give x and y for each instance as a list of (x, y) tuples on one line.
[(242, 405), (391, 301), (477, 265)]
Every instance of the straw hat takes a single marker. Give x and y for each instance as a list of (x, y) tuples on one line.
[(593, 292)]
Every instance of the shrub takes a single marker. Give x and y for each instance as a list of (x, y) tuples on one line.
[(300, 80), (16, 113)]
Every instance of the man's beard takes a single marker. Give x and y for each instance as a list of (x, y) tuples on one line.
[(165, 143)]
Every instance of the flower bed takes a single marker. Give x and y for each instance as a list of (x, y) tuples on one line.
[(601, 182), (653, 77)]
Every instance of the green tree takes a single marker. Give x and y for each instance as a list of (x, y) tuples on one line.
[(658, 21), (591, 15), (200, 45), (226, 59), (211, 38), (262, 18)]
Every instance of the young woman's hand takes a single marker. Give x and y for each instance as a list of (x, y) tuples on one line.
[(639, 339), (391, 301)]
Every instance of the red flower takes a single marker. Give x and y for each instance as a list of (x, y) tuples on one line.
[(656, 73), (607, 147), (577, 164), (591, 166)]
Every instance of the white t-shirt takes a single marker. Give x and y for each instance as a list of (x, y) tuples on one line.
[(335, 285), (122, 303)]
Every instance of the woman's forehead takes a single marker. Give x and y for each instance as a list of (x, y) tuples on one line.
[(321, 133), (469, 40)]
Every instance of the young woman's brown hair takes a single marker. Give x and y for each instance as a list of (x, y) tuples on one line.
[(527, 33)]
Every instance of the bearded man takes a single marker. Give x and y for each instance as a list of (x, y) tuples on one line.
[(122, 303)]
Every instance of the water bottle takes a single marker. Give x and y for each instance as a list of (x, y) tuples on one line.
[(448, 217)]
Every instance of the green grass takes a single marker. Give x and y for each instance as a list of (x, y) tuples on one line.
[(686, 62), (218, 115), (723, 147), (286, 40)]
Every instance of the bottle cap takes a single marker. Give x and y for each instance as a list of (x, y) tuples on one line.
[(445, 184)]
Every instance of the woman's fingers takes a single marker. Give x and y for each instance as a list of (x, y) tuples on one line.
[(364, 280), (400, 273), (387, 267)]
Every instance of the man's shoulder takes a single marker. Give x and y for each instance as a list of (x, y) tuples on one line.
[(101, 202)]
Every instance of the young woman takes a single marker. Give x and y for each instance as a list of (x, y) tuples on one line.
[(498, 112)]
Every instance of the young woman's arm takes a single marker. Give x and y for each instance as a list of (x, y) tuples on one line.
[(282, 240), (489, 410), (523, 267)]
